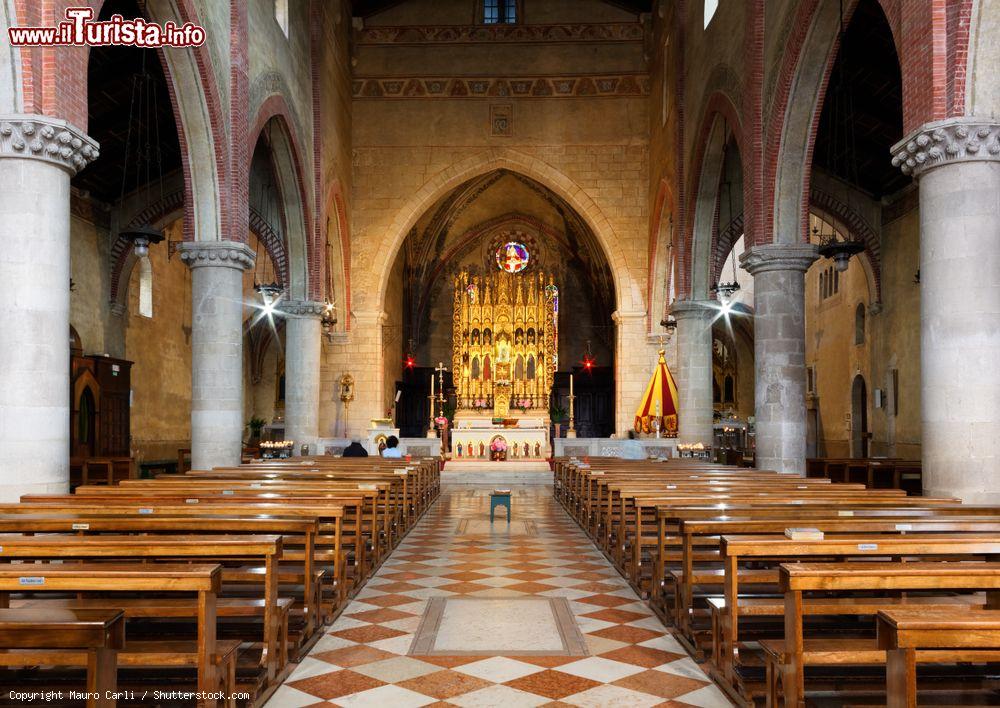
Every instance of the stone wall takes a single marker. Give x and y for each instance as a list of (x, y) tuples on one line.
[(587, 140), (160, 348)]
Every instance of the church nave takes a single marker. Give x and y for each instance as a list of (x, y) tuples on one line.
[(366, 657)]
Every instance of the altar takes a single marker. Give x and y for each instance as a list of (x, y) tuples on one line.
[(480, 438), (504, 358)]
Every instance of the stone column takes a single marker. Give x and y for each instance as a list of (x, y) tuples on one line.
[(633, 366), (366, 363), (38, 155), (216, 350), (303, 348), (694, 369), (778, 272), (957, 164)]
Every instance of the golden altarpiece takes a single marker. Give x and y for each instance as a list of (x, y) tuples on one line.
[(504, 358)]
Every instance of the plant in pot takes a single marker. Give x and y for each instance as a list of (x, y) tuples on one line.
[(559, 415), (256, 425)]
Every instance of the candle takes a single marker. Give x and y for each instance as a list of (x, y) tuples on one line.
[(571, 384)]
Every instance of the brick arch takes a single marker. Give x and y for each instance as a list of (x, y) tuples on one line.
[(694, 252), (275, 107), (628, 294), (53, 82), (858, 227), (932, 64), (123, 259), (724, 241), (286, 158)]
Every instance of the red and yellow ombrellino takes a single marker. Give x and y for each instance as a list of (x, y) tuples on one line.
[(662, 389)]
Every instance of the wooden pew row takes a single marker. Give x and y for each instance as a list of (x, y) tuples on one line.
[(266, 549), (354, 535), (909, 637), (799, 649), (882, 518), (213, 660), (297, 533), (89, 638), (737, 549)]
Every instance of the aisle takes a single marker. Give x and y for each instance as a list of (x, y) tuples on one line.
[(526, 615)]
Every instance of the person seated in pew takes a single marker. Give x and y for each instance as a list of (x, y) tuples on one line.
[(355, 449), (391, 447)]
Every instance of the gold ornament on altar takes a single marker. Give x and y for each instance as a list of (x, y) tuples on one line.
[(505, 341)]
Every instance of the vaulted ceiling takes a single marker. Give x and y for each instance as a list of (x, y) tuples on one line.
[(367, 8)]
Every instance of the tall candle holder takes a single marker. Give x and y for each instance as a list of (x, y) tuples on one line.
[(571, 433)]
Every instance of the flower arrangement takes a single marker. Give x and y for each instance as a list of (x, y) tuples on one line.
[(441, 421), (481, 403), (498, 445), (523, 403)]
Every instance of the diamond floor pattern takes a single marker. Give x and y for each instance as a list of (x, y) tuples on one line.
[(364, 660)]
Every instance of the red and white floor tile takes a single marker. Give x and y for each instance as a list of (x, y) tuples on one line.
[(364, 659)]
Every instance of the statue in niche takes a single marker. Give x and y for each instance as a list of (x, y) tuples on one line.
[(518, 337), (475, 337), (526, 449), (460, 449), (487, 336), (531, 368), (482, 448), (503, 352), (538, 449), (519, 368), (475, 368), (531, 337)]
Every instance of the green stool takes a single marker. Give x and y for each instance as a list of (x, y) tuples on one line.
[(499, 497)]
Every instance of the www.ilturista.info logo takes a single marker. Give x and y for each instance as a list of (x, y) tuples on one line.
[(79, 30)]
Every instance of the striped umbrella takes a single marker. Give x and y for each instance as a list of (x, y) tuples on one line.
[(659, 401)]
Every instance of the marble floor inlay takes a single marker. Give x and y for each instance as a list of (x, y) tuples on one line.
[(491, 626), (367, 657)]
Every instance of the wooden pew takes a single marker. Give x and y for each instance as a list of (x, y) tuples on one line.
[(90, 638), (930, 636), (214, 660), (296, 534), (265, 549), (788, 658)]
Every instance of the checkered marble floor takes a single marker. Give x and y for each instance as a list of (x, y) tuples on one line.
[(364, 660)]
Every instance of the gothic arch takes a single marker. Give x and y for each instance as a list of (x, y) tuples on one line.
[(627, 291), (802, 82), (661, 252), (282, 148)]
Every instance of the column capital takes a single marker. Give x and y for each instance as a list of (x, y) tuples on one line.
[(944, 142), (26, 135), (620, 316), (227, 254), (778, 256), (370, 317), (694, 309), (304, 309)]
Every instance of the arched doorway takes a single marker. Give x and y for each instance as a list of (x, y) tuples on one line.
[(859, 417), (461, 232)]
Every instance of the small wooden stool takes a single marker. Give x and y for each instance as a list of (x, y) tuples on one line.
[(499, 497)]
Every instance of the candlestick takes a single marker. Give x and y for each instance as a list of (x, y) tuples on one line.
[(430, 422), (571, 433)]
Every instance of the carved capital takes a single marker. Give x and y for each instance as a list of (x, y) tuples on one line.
[(225, 254), (694, 309), (945, 142), (775, 256), (302, 308), (53, 140)]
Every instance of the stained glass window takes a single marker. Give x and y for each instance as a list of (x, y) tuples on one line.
[(512, 257)]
